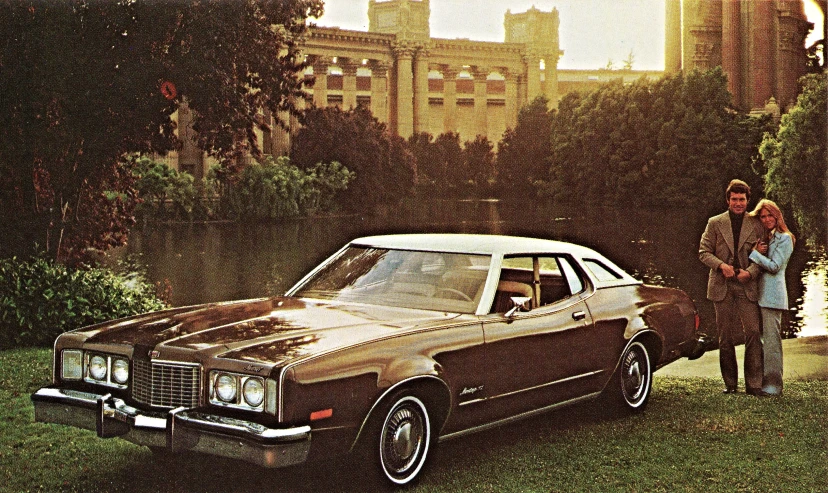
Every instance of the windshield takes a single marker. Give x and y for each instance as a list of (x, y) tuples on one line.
[(449, 282)]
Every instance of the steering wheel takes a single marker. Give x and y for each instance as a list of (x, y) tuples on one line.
[(463, 296)]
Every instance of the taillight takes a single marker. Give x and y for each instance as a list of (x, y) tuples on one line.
[(697, 321)]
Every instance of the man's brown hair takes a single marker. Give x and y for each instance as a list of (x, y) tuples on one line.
[(738, 186)]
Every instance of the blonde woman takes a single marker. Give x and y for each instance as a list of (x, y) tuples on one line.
[(772, 255)]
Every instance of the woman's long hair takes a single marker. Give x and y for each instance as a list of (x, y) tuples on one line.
[(773, 210)]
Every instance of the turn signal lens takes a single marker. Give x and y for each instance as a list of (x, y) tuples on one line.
[(226, 388), (71, 365), (97, 367)]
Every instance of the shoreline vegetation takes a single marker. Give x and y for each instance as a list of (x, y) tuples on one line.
[(691, 438)]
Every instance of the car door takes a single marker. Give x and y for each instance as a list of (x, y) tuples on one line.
[(545, 355)]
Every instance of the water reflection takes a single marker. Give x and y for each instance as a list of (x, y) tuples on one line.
[(217, 262)]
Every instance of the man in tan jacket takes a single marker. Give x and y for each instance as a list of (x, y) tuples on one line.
[(732, 286)]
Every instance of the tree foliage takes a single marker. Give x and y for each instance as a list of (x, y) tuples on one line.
[(426, 158), (675, 141), (277, 189), (381, 162), (450, 160), (82, 83), (797, 164), (165, 193), (523, 152), (479, 161)]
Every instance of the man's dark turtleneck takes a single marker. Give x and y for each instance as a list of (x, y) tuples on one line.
[(736, 221)]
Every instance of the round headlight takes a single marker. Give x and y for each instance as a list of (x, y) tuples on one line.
[(253, 392), (97, 367), (226, 388), (120, 371)]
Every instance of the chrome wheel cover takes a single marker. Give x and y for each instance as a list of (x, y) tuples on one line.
[(635, 375), (404, 440)]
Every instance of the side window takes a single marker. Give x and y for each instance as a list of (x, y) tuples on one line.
[(545, 279), (601, 271), (576, 284)]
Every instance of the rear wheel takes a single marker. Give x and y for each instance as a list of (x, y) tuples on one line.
[(631, 385), (401, 438)]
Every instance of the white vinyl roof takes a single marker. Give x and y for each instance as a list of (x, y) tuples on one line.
[(474, 243)]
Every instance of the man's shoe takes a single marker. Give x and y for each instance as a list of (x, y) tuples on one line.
[(757, 392), (729, 390)]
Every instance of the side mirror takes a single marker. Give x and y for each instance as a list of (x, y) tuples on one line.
[(519, 303)]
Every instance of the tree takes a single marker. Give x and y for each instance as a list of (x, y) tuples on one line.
[(83, 83), (450, 160), (426, 158), (523, 151), (797, 163), (815, 62), (479, 161), (675, 141), (381, 162)]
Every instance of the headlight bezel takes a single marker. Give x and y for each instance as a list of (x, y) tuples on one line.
[(109, 361), (240, 399)]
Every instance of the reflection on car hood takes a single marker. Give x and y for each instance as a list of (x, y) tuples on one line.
[(272, 330)]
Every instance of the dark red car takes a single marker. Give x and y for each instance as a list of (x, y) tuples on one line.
[(390, 345)]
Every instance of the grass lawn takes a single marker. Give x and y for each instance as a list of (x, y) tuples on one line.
[(691, 439)]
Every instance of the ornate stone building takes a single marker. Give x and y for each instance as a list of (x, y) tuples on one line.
[(758, 43), (417, 83)]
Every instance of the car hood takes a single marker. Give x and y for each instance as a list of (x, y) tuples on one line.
[(269, 331)]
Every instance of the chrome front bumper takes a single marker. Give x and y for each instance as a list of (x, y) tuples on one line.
[(177, 430)]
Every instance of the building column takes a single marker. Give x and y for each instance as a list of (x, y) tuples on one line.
[(293, 125), (481, 102), (762, 54), (449, 99), (281, 134), (512, 105), (379, 90), (522, 97), (405, 92), (731, 48), (790, 63), (349, 83), (320, 82), (533, 82), (421, 90), (550, 84), (672, 36)]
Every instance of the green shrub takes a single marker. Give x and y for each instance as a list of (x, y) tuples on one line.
[(40, 299), (276, 189), (167, 194)]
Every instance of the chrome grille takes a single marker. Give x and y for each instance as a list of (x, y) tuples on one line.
[(166, 384)]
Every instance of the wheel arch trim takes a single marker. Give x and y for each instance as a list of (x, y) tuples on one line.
[(403, 383)]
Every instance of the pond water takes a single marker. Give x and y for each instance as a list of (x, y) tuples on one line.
[(224, 261)]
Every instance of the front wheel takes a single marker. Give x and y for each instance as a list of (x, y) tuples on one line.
[(403, 439), (632, 382)]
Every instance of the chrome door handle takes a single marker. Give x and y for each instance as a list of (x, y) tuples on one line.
[(578, 316)]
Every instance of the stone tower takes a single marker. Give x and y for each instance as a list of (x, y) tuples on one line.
[(538, 31), (407, 19), (760, 45)]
